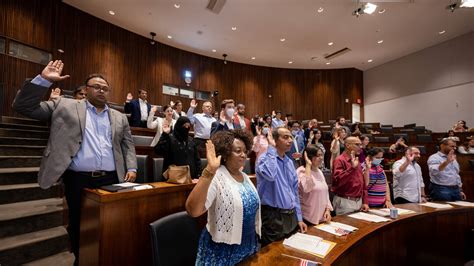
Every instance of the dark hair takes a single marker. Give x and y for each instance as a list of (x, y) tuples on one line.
[(277, 112), (290, 114), (362, 137), (140, 91), (445, 141), (292, 122), (266, 116), (78, 89), (226, 102), (311, 151), (207, 102), (339, 118), (449, 131), (223, 141), (91, 76), (404, 138), (177, 102), (353, 127), (464, 122), (374, 151), (166, 107)]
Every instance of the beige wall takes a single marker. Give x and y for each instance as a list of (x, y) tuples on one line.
[(432, 87)]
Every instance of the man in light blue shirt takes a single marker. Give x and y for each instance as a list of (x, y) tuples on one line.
[(276, 121), (445, 180), (277, 186), (202, 123)]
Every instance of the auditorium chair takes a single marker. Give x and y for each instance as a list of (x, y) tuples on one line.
[(424, 138), (386, 129), (142, 174), (386, 126), (327, 135), (142, 140), (174, 240), (410, 125), (420, 129), (381, 139), (406, 130), (396, 136), (158, 170), (331, 121)]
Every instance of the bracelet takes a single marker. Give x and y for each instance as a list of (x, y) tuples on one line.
[(207, 174)]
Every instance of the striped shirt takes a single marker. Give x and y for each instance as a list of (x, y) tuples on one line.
[(377, 187)]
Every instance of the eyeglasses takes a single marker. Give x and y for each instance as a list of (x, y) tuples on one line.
[(97, 87)]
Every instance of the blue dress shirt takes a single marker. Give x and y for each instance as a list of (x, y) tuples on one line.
[(277, 183), (449, 176), (202, 124)]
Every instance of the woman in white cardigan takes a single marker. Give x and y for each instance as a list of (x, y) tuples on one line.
[(158, 123), (232, 202)]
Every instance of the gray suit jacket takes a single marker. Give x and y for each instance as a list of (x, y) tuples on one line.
[(68, 119)]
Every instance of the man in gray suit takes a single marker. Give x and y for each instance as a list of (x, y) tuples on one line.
[(90, 144)]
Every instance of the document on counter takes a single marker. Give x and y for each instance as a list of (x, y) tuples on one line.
[(368, 217), (462, 203), (120, 186), (335, 228), (436, 205), (309, 244), (386, 211)]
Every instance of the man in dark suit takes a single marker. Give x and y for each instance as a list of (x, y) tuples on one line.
[(90, 144), (226, 118), (138, 109)]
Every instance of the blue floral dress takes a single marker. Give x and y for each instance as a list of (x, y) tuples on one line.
[(212, 253)]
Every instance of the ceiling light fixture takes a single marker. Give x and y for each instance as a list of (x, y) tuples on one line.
[(467, 3), (367, 8), (282, 39), (234, 28), (177, 5), (214, 50), (152, 41), (111, 12), (253, 57), (370, 60), (170, 37), (328, 63), (442, 32), (330, 43), (225, 60), (380, 41), (290, 62), (381, 11), (320, 10)]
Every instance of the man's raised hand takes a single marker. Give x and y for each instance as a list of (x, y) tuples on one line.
[(52, 72)]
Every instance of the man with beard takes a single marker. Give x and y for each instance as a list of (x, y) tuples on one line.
[(408, 183), (348, 184), (240, 118)]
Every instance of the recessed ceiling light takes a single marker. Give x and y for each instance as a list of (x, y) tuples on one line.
[(442, 32), (328, 63), (467, 3), (380, 41), (290, 62), (330, 43), (177, 5), (320, 10), (214, 50), (282, 39), (381, 11), (170, 37), (253, 57), (369, 8), (370, 60), (234, 28), (111, 12), (61, 51)]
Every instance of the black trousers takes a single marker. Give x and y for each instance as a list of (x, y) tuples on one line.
[(201, 147), (277, 224), (74, 183), (400, 200)]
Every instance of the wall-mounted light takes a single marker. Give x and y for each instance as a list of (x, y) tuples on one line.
[(187, 77), (367, 8), (225, 56), (152, 41)]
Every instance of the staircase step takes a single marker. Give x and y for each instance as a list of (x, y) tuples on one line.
[(21, 150), (61, 259), (26, 192), (10, 176), (29, 216), (6, 132), (23, 141), (20, 161), (23, 126), (22, 121), (32, 246)]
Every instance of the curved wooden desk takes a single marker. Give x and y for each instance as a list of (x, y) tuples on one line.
[(431, 236)]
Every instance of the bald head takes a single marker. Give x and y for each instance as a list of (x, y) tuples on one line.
[(352, 144)]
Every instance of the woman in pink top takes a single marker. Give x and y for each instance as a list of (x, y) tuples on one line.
[(260, 142), (312, 187)]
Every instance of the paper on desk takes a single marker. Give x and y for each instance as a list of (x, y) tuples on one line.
[(436, 205), (462, 203), (386, 211), (336, 228), (310, 244), (368, 217), (126, 184)]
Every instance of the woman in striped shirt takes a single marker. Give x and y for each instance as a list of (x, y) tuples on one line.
[(377, 187)]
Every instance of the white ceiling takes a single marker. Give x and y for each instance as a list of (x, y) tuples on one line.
[(404, 28)]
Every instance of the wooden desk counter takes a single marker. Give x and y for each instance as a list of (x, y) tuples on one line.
[(435, 237)]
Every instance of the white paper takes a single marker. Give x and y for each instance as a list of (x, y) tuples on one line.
[(386, 211), (126, 184), (307, 243), (335, 228), (462, 203), (436, 205), (368, 217), (142, 187), (344, 226)]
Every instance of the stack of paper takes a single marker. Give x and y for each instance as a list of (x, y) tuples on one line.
[(135, 188), (336, 228), (368, 217), (436, 205), (310, 244), (462, 203), (386, 211)]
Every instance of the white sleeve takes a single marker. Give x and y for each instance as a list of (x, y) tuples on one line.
[(211, 194)]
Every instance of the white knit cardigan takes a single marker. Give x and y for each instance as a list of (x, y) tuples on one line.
[(225, 209)]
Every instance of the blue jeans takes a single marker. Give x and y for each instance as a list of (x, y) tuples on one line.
[(444, 193)]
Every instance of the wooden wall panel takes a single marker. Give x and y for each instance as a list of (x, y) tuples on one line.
[(129, 62)]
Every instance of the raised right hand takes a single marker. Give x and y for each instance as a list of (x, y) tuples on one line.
[(193, 104), (307, 160), (154, 109), (259, 131), (166, 128), (129, 97), (52, 71), (213, 162), (271, 140), (410, 156), (451, 156), (55, 94), (354, 160), (222, 117)]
